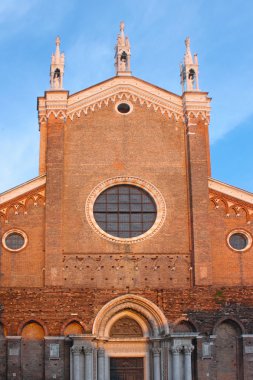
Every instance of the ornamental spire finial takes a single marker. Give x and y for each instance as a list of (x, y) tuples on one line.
[(189, 70), (122, 53), (188, 54), (122, 28), (57, 67)]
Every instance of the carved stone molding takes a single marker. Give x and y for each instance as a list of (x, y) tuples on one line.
[(158, 324), (124, 93)]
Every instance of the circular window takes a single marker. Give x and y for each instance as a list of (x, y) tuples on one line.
[(14, 240), (123, 108), (125, 211), (239, 240)]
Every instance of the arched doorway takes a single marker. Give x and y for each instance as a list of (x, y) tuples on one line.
[(228, 348), (126, 342), (127, 328), (130, 340)]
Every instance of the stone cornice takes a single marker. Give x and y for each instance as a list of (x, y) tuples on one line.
[(60, 104), (20, 190), (230, 191), (196, 104)]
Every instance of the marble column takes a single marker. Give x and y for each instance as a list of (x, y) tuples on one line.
[(176, 362), (188, 362), (76, 366), (101, 363), (88, 363), (157, 364)]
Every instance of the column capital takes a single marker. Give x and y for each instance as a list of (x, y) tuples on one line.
[(156, 351), (176, 349), (76, 350), (188, 349), (101, 352), (88, 350)]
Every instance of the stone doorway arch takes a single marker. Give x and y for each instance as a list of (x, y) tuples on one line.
[(146, 346), (131, 329), (147, 327)]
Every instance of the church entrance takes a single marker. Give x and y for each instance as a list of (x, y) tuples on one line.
[(126, 369)]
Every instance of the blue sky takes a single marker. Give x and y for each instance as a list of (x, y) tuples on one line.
[(221, 33)]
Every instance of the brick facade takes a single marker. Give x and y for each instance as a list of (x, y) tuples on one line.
[(188, 290)]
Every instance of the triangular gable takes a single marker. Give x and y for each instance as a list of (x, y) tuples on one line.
[(59, 103), (125, 88)]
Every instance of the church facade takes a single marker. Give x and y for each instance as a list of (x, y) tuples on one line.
[(124, 258)]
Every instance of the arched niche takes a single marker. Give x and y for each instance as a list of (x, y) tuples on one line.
[(73, 328), (228, 350), (184, 326), (33, 331), (32, 351)]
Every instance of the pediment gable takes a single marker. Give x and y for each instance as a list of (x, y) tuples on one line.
[(118, 88), (111, 90)]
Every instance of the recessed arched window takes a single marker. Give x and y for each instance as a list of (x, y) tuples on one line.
[(125, 211)]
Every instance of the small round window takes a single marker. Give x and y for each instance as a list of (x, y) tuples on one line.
[(123, 108), (14, 240), (239, 240), (125, 211)]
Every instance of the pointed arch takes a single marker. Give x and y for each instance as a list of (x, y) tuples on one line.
[(23, 324), (74, 323)]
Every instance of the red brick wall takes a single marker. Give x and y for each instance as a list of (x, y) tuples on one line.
[(229, 267), (25, 268), (53, 307)]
